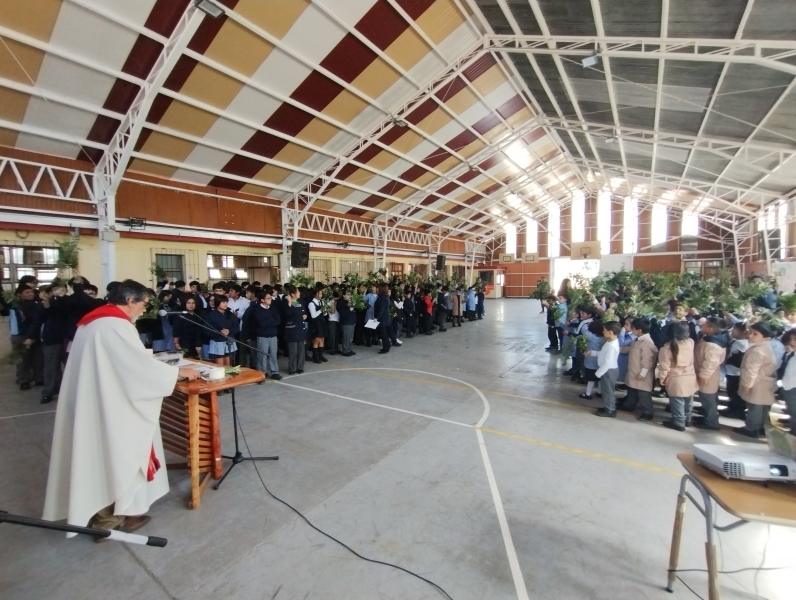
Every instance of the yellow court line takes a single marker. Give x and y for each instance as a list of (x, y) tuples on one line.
[(522, 438), (614, 459)]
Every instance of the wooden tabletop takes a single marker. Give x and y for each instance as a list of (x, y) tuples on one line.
[(773, 502), (200, 386)]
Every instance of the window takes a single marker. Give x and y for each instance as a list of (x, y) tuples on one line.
[(659, 225), (172, 265), (554, 230), (630, 226), (228, 262), (604, 222), (20, 261), (320, 269), (531, 236), (578, 220), (395, 268), (511, 238), (360, 267), (690, 226)]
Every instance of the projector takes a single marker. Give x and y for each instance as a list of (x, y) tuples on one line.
[(745, 461)]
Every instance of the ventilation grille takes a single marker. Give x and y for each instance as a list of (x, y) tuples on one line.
[(733, 470)]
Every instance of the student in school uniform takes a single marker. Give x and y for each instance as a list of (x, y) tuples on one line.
[(163, 338), (572, 324), (736, 407), (472, 299), (586, 317), (427, 312), (295, 317), (456, 307), (187, 332), (787, 374), (381, 312), (594, 343), (561, 323), (260, 324), (640, 371), (552, 334), (479, 304), (758, 380), (677, 374), (348, 320), (221, 344), (410, 313), (334, 324), (608, 368), (626, 337), (396, 316), (710, 352), (441, 307), (319, 328), (359, 329)]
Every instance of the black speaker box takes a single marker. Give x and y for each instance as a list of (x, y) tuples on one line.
[(440, 262), (300, 255)]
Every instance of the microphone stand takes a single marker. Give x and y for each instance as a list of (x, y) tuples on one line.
[(238, 457)]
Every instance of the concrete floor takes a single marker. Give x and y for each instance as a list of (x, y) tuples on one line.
[(380, 451)]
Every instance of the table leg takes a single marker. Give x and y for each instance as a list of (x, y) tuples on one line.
[(217, 469), (713, 578), (677, 531), (193, 450)]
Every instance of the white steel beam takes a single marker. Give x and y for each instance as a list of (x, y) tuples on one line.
[(659, 93), (111, 167), (767, 53), (609, 80)]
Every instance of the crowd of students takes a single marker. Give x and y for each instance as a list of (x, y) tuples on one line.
[(684, 356), (247, 324)]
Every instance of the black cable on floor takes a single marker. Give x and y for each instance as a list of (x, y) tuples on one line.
[(334, 539), (689, 588)]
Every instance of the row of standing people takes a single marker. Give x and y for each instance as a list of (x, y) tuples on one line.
[(688, 355)]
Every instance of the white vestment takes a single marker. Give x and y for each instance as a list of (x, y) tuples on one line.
[(106, 425)]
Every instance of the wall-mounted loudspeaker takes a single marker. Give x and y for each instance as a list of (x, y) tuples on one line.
[(440, 262), (300, 255)]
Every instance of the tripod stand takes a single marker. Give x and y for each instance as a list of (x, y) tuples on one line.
[(238, 457)]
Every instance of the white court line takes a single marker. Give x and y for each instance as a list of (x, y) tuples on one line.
[(42, 412), (511, 553)]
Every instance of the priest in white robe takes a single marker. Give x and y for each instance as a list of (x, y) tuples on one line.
[(107, 464)]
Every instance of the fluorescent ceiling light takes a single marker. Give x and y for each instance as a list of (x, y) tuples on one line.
[(210, 8)]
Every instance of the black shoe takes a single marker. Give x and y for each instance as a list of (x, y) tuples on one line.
[(24, 386), (429, 333), (349, 353), (300, 371), (442, 329), (46, 399), (292, 373), (568, 372), (275, 376), (660, 394), (645, 417), (621, 387), (411, 335), (599, 395), (624, 408), (382, 351), (699, 423), (672, 425), (746, 432), (581, 380), (322, 357), (585, 396), (603, 412)]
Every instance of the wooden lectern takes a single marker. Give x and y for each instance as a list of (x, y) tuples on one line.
[(189, 426)]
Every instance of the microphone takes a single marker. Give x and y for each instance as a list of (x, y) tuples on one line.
[(163, 312)]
